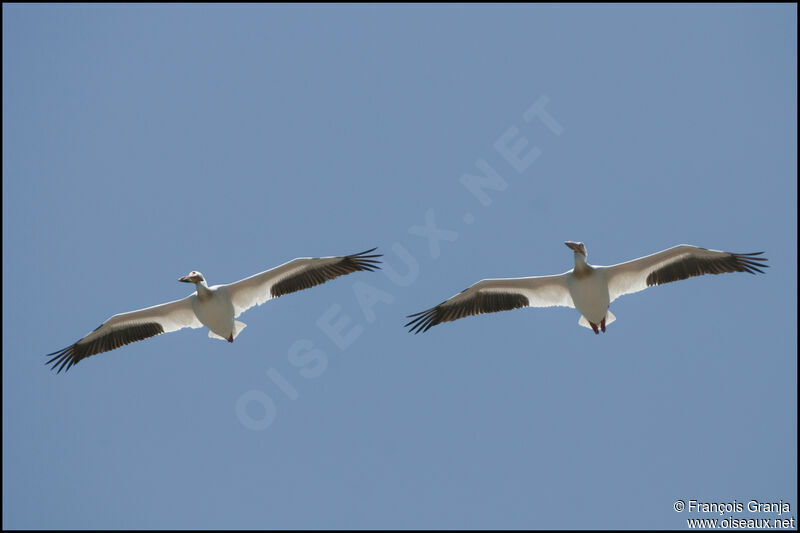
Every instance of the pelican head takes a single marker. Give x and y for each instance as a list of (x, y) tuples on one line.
[(577, 247), (192, 277)]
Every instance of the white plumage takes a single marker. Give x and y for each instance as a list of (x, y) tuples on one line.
[(215, 307), (589, 289)]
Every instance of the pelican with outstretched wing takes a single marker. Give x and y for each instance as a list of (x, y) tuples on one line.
[(215, 307), (589, 289)]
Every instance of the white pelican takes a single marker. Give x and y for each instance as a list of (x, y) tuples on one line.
[(589, 289), (214, 307)]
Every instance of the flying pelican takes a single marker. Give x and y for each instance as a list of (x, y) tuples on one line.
[(589, 289), (214, 307)]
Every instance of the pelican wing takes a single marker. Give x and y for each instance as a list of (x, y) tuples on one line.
[(492, 295), (296, 275), (126, 328), (677, 263)]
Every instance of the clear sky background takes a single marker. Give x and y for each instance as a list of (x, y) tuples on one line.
[(142, 142)]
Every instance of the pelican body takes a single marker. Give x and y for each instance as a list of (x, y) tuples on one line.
[(213, 307), (587, 288)]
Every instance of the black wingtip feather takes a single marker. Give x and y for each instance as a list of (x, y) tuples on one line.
[(697, 266), (65, 358), (305, 279), (479, 303)]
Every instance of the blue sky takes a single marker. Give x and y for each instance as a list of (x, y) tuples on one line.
[(142, 142)]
